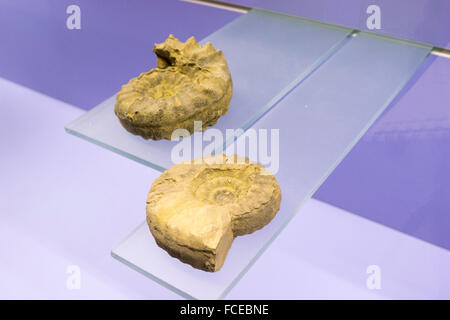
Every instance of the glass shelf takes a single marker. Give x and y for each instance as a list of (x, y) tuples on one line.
[(267, 53), (319, 122)]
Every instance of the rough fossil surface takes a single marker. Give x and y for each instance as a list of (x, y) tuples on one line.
[(190, 83), (196, 209)]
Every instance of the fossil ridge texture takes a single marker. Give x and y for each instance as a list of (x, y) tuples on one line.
[(195, 209), (190, 83)]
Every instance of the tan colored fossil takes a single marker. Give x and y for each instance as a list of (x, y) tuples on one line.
[(196, 209), (190, 83)]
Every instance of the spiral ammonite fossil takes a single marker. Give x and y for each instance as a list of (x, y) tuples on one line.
[(190, 83), (196, 209)]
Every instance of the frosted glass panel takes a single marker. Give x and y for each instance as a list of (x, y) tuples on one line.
[(267, 54)]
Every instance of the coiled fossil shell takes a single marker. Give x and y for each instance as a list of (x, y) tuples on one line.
[(196, 209), (190, 83)]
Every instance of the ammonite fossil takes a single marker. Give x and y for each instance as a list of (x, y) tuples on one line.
[(196, 209), (190, 83)]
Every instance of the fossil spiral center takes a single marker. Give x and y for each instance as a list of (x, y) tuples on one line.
[(219, 189)]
